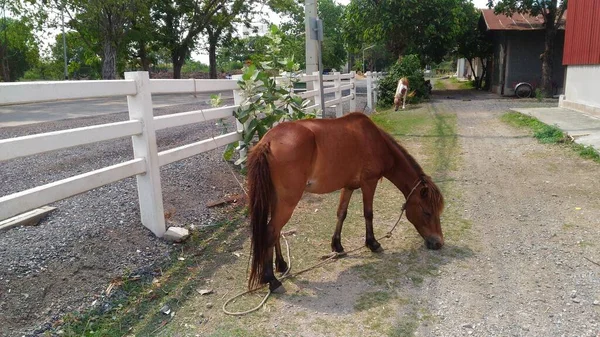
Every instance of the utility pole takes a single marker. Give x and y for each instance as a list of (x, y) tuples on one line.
[(312, 59)]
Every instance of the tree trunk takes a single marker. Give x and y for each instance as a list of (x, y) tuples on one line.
[(212, 57), (488, 74), (477, 79), (143, 53), (4, 67), (109, 61), (548, 62), (178, 58)]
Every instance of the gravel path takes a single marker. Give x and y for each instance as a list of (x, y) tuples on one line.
[(70, 258), (535, 211)]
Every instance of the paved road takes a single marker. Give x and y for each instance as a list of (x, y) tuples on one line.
[(21, 114)]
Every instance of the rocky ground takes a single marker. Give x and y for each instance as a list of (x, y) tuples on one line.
[(68, 261)]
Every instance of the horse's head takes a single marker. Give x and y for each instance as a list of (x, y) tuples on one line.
[(423, 209)]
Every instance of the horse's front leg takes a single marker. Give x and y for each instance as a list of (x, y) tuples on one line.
[(342, 211), (404, 100), (368, 191)]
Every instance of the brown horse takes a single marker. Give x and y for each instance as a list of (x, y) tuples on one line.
[(322, 156)]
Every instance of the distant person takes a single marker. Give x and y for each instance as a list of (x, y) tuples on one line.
[(401, 92)]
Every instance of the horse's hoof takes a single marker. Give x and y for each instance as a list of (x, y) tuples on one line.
[(375, 247), (276, 287)]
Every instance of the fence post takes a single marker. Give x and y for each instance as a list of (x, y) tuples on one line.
[(317, 98), (353, 91), (339, 107), (144, 146), (369, 91), (375, 90)]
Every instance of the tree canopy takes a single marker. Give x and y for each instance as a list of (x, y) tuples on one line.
[(428, 28)]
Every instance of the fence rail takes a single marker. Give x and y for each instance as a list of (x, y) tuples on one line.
[(141, 127)]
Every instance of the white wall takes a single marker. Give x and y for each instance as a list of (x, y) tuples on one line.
[(582, 88)]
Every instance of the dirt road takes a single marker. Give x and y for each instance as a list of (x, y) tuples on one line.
[(535, 214)]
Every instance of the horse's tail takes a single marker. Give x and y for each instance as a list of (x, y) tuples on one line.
[(259, 197)]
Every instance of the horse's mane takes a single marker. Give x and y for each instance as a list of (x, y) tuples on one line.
[(435, 195)]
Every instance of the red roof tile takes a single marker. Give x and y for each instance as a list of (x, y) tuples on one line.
[(515, 22)]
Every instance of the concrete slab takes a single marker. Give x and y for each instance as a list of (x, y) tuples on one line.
[(584, 128)]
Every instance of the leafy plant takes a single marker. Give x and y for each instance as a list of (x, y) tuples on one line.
[(267, 98), (409, 67)]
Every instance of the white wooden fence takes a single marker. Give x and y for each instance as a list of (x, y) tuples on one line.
[(373, 79), (142, 127)]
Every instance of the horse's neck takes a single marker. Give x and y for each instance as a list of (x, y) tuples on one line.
[(402, 173)]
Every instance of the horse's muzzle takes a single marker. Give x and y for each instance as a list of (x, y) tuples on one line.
[(434, 242)]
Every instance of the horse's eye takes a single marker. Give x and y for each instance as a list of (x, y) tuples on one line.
[(426, 213)]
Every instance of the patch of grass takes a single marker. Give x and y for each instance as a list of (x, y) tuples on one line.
[(371, 299), (587, 152), (544, 133), (462, 84), (439, 85), (549, 134), (405, 328)]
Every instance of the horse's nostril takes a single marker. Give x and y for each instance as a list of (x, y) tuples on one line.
[(433, 243)]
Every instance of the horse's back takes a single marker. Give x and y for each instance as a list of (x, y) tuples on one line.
[(328, 154)]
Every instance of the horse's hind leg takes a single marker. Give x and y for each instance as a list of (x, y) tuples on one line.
[(368, 190), (280, 265), (281, 214), (342, 211)]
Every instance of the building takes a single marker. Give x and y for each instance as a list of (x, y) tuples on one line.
[(518, 43), (582, 57)]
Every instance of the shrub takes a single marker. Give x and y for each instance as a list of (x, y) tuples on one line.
[(410, 67)]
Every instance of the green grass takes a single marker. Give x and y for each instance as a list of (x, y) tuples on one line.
[(549, 134), (463, 84), (439, 85), (372, 299)]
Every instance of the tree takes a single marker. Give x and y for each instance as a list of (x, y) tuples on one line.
[(222, 25), (427, 28), (334, 52), (471, 41), (103, 25), (18, 48), (180, 24), (552, 12)]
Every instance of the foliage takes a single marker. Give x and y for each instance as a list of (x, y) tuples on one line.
[(409, 67), (194, 66), (265, 101), (404, 26), (334, 52), (18, 48), (240, 50), (471, 41), (180, 24), (552, 12), (221, 26)]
